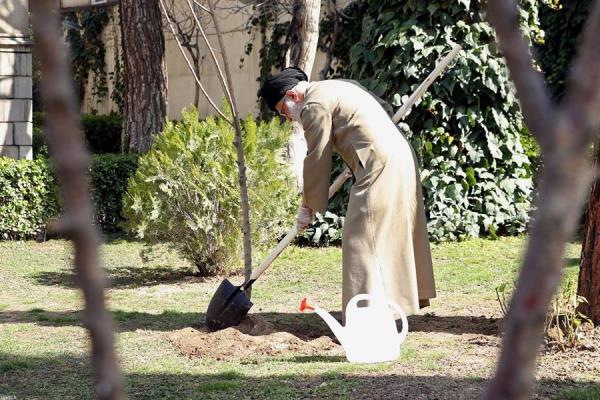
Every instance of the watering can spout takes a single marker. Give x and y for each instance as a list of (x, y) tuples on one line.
[(337, 329)]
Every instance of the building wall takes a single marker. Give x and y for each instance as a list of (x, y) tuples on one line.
[(181, 83), (15, 81)]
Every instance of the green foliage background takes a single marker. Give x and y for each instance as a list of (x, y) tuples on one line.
[(466, 131), (84, 34), (562, 22), (186, 192), (102, 133)]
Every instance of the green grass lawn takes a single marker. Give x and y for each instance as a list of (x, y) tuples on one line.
[(44, 348)]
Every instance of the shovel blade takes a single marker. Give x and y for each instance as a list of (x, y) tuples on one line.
[(228, 307)]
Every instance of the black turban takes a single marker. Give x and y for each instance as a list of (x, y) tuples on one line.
[(275, 87)]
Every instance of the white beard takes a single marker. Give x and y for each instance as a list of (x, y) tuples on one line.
[(293, 108)]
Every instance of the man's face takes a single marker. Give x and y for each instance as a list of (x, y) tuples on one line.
[(290, 106)]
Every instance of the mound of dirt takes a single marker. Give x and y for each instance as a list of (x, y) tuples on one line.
[(253, 337)]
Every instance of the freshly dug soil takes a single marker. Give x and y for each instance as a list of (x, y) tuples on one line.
[(253, 337)]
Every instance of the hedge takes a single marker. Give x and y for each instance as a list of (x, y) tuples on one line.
[(27, 197), (28, 193), (102, 133)]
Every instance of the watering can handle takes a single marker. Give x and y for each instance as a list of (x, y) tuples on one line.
[(354, 301), (404, 332)]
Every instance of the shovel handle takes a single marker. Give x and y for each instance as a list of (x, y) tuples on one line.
[(339, 181), (289, 238), (402, 111)]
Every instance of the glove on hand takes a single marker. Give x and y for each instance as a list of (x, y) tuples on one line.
[(305, 217)]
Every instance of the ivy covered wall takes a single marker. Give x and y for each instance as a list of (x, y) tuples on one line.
[(468, 129), (562, 22)]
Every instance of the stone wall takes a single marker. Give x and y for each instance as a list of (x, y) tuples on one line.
[(15, 81)]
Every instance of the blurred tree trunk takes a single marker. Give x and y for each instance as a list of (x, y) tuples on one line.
[(589, 272), (564, 132), (71, 162), (144, 75), (303, 36)]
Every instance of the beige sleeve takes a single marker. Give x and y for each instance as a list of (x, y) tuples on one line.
[(316, 121)]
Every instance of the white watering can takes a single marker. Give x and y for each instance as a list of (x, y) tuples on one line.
[(370, 334)]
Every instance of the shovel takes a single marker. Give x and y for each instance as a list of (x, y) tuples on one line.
[(230, 304)]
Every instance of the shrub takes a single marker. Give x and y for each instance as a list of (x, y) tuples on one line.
[(562, 21), (477, 179), (109, 174), (326, 230), (29, 193), (40, 148), (564, 327), (27, 197), (102, 133), (186, 191)]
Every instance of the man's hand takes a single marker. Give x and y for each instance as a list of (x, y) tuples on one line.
[(305, 217)]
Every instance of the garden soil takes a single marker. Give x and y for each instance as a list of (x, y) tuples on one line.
[(254, 337), (470, 345)]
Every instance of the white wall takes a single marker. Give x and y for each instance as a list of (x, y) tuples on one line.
[(181, 82)]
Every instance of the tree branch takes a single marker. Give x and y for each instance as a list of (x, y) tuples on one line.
[(191, 67), (224, 85), (71, 162)]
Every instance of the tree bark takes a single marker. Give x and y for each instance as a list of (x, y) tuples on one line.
[(564, 133), (144, 74), (589, 272), (303, 36), (71, 161)]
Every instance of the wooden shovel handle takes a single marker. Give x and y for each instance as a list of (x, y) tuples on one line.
[(289, 238), (402, 111), (339, 181)]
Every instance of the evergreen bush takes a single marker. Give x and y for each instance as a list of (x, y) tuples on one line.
[(102, 133), (186, 192)]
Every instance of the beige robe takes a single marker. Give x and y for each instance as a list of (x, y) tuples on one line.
[(385, 247)]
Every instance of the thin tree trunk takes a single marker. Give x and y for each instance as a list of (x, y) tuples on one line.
[(196, 63), (303, 36), (71, 161), (145, 77), (589, 272), (240, 150), (564, 134)]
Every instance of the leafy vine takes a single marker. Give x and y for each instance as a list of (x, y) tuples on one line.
[(84, 33)]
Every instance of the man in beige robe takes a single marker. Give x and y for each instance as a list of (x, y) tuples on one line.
[(385, 247)]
